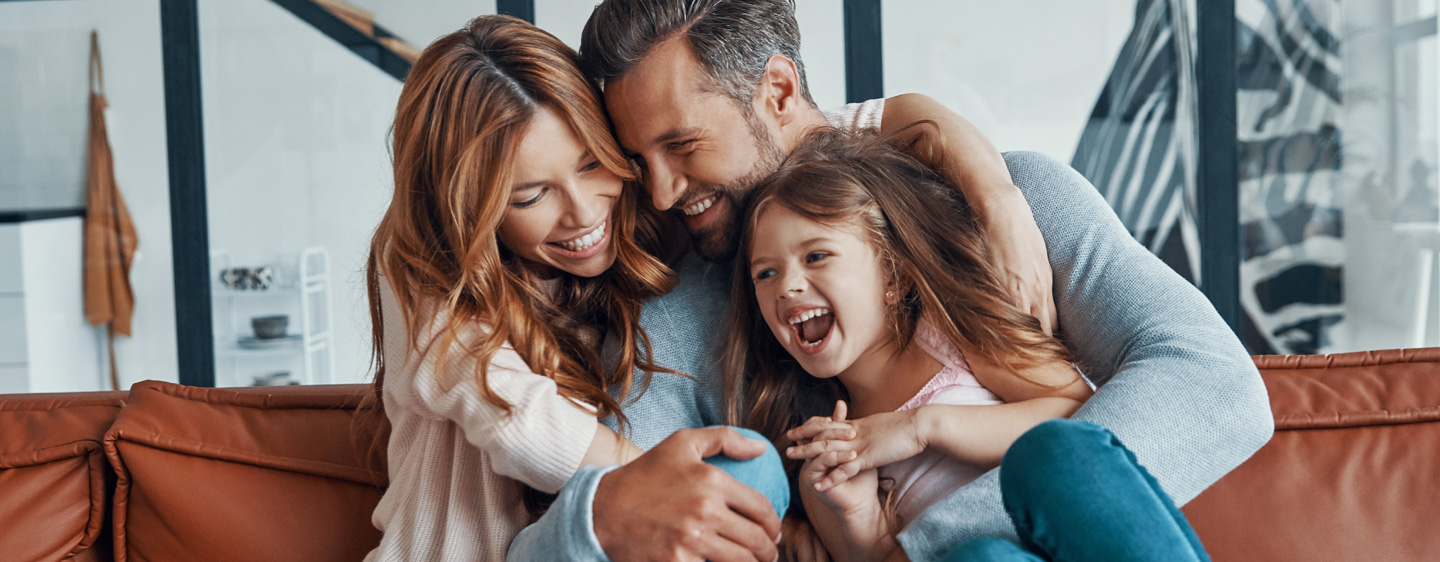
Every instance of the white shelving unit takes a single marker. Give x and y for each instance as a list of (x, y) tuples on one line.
[(302, 291)]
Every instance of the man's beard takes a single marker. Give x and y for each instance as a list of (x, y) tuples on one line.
[(719, 241)]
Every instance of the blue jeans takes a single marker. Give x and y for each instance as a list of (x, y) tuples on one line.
[(764, 473), (1076, 494)]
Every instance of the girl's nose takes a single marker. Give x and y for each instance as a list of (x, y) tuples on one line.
[(793, 285)]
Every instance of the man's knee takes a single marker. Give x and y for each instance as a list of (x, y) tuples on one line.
[(987, 548), (1044, 455), (765, 473)]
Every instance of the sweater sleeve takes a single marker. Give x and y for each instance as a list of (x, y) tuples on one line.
[(540, 441), (567, 530), (1175, 384)]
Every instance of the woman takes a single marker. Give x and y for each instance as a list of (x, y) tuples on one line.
[(511, 248)]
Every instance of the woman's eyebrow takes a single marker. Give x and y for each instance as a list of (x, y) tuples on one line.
[(528, 185)]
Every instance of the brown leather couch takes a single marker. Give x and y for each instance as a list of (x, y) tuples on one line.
[(168, 472)]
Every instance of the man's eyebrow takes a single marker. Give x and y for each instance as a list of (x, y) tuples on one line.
[(673, 134)]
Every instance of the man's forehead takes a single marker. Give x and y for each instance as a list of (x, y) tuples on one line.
[(659, 97)]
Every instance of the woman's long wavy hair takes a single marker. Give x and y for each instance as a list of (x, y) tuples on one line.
[(463, 109), (928, 240)]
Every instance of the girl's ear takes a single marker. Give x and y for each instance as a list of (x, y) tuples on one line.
[(896, 289)]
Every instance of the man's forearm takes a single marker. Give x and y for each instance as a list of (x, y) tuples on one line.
[(952, 145), (1176, 385), (567, 530)]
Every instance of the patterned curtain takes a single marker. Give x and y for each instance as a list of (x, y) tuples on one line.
[(1139, 150)]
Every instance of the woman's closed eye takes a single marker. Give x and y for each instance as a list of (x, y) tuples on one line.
[(589, 166), (539, 193)]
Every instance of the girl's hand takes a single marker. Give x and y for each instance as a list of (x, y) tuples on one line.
[(854, 446), (848, 517)]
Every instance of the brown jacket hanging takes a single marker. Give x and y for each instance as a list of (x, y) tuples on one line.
[(110, 239)]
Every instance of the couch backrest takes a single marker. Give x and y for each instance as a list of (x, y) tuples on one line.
[(1352, 473), (275, 474), (54, 493), (281, 473)]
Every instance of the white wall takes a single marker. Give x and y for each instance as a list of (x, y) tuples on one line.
[(822, 44), (64, 350), (1026, 72), (295, 143), (49, 43), (421, 21)]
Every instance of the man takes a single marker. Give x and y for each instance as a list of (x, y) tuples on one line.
[(708, 96)]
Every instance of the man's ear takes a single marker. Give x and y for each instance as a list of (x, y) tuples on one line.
[(778, 96)]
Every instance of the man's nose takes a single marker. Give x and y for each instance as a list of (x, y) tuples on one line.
[(666, 186)]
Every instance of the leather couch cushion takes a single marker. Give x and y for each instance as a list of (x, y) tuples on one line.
[(270, 474), (53, 475), (1352, 472)]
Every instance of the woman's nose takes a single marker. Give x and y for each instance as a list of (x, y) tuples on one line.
[(586, 210)]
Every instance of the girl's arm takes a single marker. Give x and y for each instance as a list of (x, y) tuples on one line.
[(980, 435), (847, 517), (976, 434), (967, 159)]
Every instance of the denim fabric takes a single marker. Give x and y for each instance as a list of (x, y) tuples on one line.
[(1076, 494), (764, 473)]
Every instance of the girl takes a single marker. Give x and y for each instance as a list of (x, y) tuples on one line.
[(511, 248), (869, 273)]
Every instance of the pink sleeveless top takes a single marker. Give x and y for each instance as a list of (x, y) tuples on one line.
[(926, 478)]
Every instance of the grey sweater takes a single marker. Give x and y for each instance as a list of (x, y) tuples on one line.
[(1174, 383)]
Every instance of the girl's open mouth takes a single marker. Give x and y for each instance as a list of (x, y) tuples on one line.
[(812, 329)]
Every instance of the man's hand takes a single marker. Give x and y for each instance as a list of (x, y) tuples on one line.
[(1019, 253), (671, 505), (960, 152)]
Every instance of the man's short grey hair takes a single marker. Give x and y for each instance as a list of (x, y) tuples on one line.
[(733, 39)]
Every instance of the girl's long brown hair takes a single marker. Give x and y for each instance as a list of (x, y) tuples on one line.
[(463, 108), (927, 236)]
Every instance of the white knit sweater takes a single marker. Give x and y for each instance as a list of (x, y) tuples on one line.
[(457, 462)]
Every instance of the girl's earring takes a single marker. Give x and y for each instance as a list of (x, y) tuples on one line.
[(890, 297)]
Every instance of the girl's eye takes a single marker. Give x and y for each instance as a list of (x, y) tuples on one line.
[(764, 274), (593, 164), (529, 202), (813, 257)]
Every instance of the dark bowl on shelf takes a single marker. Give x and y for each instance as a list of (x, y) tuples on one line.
[(270, 327)]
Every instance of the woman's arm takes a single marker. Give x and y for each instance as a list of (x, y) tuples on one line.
[(967, 159), (608, 447)]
